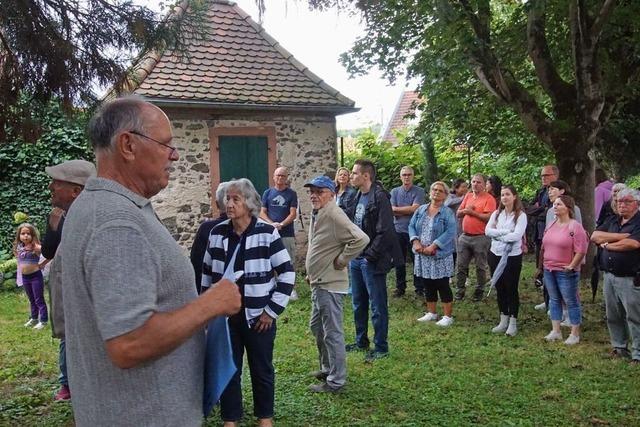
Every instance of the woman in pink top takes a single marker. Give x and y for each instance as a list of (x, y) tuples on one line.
[(564, 245)]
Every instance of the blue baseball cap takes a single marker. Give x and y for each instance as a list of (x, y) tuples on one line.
[(322, 182)]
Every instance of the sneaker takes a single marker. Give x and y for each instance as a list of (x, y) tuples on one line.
[(635, 361), (478, 295), (40, 325), (324, 388), (572, 340), (428, 317), (540, 307), (445, 321), (620, 353), (355, 347), (566, 323), (30, 323), (63, 394), (375, 355), (398, 293), (319, 375), (459, 295), (553, 336), (294, 296)]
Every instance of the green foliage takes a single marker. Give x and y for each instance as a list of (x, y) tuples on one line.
[(388, 158), (23, 181)]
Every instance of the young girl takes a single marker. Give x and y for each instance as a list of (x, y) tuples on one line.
[(506, 227), (26, 248)]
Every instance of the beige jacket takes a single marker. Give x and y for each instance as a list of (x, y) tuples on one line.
[(332, 235)]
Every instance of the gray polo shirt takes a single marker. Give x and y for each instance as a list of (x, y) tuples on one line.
[(401, 197), (121, 265)]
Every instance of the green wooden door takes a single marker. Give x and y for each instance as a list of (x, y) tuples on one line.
[(245, 157)]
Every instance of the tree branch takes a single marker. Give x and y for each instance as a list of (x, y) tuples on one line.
[(562, 94), (601, 20)]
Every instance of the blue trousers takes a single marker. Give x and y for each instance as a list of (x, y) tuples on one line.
[(563, 286), (369, 286)]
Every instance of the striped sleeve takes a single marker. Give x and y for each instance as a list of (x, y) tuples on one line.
[(213, 262), (285, 276)]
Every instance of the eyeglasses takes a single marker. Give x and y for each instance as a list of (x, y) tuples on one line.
[(173, 150), (406, 174), (626, 201)]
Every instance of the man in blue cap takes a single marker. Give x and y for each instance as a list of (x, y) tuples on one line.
[(333, 241)]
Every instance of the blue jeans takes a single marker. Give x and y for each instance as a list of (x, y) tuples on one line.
[(369, 286), (62, 363), (563, 286)]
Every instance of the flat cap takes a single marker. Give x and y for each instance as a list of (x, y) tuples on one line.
[(74, 171)]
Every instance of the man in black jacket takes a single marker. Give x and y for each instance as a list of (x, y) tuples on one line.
[(371, 211)]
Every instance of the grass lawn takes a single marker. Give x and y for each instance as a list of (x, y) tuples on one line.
[(457, 376)]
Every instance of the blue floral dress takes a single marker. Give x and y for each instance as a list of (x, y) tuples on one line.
[(430, 267)]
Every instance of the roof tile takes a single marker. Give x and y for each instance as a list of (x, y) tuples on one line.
[(238, 63)]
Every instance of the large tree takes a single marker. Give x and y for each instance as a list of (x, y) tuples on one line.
[(563, 67), (69, 49)]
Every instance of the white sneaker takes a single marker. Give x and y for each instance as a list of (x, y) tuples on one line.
[(40, 325), (428, 317), (294, 296), (553, 336), (512, 330), (572, 340), (445, 321), (540, 307), (30, 323)]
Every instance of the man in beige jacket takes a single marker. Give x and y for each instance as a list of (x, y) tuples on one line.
[(333, 241)]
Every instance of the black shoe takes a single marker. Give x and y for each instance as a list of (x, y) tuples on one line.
[(398, 293), (477, 296), (620, 353), (319, 375), (459, 296), (375, 355), (355, 347), (324, 388)]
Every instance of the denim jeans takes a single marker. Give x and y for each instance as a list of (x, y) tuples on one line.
[(62, 363), (563, 286), (369, 286)]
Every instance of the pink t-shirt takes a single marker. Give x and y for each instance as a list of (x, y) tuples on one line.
[(559, 246)]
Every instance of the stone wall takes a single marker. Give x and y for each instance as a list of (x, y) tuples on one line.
[(306, 144)]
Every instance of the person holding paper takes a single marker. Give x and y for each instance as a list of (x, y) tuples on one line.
[(265, 280), (134, 323)]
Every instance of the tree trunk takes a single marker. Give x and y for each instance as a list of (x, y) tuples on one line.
[(430, 161), (577, 167)]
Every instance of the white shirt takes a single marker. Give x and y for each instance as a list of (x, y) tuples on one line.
[(502, 230)]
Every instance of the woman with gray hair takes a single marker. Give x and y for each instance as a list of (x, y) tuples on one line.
[(252, 250)]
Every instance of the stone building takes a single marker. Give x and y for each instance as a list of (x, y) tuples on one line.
[(240, 105)]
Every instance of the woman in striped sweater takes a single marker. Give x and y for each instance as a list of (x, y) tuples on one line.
[(265, 277)]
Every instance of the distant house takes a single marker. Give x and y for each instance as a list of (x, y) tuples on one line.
[(241, 106), (400, 119)]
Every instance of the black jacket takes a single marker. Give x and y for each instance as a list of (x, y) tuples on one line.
[(383, 249)]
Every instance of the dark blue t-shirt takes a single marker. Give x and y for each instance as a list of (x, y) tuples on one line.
[(278, 205), (361, 208)]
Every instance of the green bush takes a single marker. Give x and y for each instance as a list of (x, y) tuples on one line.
[(23, 181)]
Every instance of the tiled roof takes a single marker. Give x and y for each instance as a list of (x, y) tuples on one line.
[(237, 64), (406, 106)]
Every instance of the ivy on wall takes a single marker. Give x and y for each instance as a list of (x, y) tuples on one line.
[(23, 181)]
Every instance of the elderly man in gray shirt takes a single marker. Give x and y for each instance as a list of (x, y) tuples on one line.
[(404, 202), (134, 324)]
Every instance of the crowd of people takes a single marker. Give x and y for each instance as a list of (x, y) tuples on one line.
[(131, 310)]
